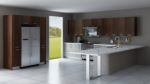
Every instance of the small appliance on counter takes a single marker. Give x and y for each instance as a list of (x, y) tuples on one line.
[(78, 39), (128, 39), (111, 40)]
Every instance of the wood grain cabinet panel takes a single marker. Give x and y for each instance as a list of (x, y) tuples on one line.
[(26, 19), (131, 26), (71, 27), (107, 25), (78, 29), (122, 26), (98, 23), (16, 40), (118, 26), (12, 38), (87, 23), (42, 24), (34, 20)]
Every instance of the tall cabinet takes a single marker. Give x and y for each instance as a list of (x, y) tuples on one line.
[(12, 38)]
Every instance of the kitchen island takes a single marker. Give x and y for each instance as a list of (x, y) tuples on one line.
[(109, 60)]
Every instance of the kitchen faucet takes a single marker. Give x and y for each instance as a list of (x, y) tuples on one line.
[(118, 41)]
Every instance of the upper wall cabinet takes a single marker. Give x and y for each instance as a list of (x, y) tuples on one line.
[(78, 29), (26, 19), (107, 25), (118, 26), (87, 23), (131, 26), (71, 27), (98, 23), (34, 20), (123, 26)]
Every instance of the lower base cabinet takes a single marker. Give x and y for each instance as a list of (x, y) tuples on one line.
[(72, 47)]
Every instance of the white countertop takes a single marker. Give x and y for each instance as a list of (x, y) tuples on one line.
[(72, 43), (105, 50)]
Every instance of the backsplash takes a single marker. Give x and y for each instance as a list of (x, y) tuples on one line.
[(106, 39)]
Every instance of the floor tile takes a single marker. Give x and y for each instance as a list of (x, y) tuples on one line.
[(61, 80), (135, 79), (71, 71), (10, 77), (2, 83), (123, 82), (147, 82), (23, 81), (85, 82), (42, 83)]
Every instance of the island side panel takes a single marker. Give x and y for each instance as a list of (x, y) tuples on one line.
[(112, 63)]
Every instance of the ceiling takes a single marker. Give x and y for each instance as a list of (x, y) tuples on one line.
[(77, 6)]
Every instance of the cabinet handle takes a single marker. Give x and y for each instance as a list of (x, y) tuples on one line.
[(121, 34), (129, 34), (17, 49), (34, 23), (99, 34), (75, 34), (42, 47), (106, 34), (113, 34), (81, 34), (25, 22)]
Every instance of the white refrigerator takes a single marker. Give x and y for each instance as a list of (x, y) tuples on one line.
[(30, 41)]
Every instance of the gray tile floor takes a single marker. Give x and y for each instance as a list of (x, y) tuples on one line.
[(69, 71)]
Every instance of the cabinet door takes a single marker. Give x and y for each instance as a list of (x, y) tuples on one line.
[(81, 30), (16, 37), (26, 19), (34, 20), (71, 27), (87, 23), (78, 48), (78, 28), (98, 23), (130, 26), (107, 26), (121, 25), (115, 30), (70, 48), (42, 24)]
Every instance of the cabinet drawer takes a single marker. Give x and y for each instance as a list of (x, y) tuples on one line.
[(77, 48), (78, 45), (70, 48)]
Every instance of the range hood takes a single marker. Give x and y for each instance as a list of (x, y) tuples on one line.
[(91, 31)]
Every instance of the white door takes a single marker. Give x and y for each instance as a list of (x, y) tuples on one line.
[(35, 45), (26, 49)]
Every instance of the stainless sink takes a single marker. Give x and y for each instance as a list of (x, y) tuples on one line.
[(106, 45), (111, 47)]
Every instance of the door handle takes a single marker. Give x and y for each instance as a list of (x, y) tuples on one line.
[(17, 47)]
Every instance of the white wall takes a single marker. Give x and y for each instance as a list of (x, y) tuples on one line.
[(29, 12)]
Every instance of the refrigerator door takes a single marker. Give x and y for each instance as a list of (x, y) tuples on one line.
[(35, 45), (26, 50)]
